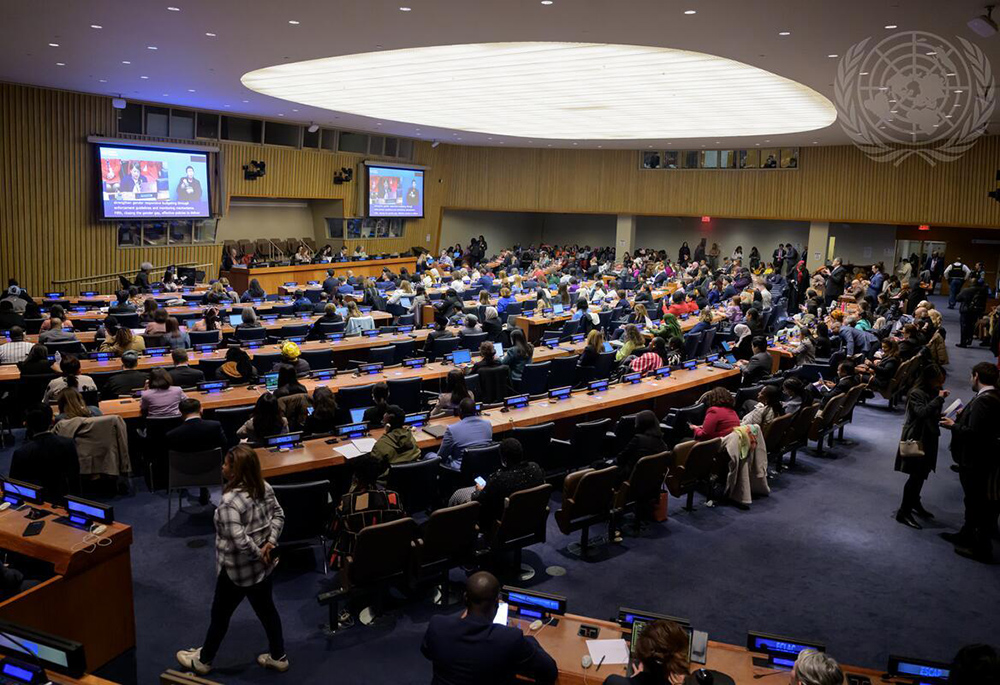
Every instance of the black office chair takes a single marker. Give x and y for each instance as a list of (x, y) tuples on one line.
[(535, 378), (536, 443), (477, 461), (563, 371), (587, 500), (231, 419), (406, 393), (306, 510), (605, 362), (265, 361), (318, 359), (325, 328), (293, 331), (587, 444), (691, 343), (442, 346), (472, 341), (494, 383), (154, 449), (416, 483), (386, 355), (447, 540), (675, 424), (353, 397), (67, 347), (205, 337), (406, 320), (404, 350), (246, 334), (521, 524)]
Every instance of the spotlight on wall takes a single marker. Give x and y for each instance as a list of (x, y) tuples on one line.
[(984, 25), (313, 128), (435, 143), (345, 175), (118, 103), (254, 170)]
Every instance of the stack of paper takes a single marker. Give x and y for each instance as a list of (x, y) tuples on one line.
[(355, 448)]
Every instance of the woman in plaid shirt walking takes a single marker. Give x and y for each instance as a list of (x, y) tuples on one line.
[(248, 523)]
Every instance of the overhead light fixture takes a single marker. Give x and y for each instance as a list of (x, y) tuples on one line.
[(96, 26), (210, 34), (293, 22), (174, 9), (559, 91), (784, 33), (546, 2), (125, 61), (191, 90), (690, 12), (53, 45), (312, 127), (833, 55), (102, 80), (60, 64), (405, 9), (152, 47), (144, 77), (984, 25)]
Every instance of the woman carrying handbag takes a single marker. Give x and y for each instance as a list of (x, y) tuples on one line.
[(918, 445)]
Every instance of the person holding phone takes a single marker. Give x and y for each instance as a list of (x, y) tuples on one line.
[(248, 523)]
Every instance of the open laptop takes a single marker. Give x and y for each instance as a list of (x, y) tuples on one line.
[(235, 319), (358, 415)]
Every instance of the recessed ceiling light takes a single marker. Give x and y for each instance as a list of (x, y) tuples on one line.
[(144, 77), (574, 143), (958, 91), (864, 73), (378, 123), (405, 9), (60, 64), (125, 61), (96, 26), (280, 114), (936, 125), (246, 101), (957, 104), (950, 73), (893, 111), (833, 55), (190, 90), (546, 2), (102, 80), (174, 9), (210, 34), (600, 146), (53, 45), (225, 105), (757, 144), (166, 95), (931, 53), (505, 89), (947, 116), (690, 11), (891, 26), (784, 33), (815, 142), (293, 22), (152, 47)]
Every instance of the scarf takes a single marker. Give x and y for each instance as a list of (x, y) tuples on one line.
[(747, 437)]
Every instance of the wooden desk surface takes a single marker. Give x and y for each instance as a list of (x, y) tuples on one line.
[(246, 395), (336, 266), (314, 454), (564, 644), (109, 298), (60, 545)]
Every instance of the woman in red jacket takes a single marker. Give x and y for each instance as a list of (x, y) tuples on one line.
[(720, 419)]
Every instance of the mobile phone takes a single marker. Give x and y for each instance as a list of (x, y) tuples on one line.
[(480, 481), (34, 528)]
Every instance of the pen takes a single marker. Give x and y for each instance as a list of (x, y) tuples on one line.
[(599, 663)]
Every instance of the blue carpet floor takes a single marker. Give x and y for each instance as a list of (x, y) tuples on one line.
[(822, 558)]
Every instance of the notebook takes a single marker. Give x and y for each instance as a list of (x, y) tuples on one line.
[(437, 431)]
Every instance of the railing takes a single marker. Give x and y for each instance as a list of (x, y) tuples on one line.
[(106, 278)]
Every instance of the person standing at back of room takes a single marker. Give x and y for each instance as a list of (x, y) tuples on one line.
[(248, 523), (956, 273)]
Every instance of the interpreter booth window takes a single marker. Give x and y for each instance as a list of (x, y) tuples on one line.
[(650, 160), (163, 233), (671, 159), (334, 228), (769, 158), (749, 159), (710, 159), (789, 158)]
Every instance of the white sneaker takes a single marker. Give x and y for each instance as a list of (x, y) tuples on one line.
[(191, 660), (267, 661)]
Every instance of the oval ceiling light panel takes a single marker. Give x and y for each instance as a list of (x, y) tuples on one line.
[(569, 91)]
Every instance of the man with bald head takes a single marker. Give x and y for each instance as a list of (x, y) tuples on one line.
[(469, 649)]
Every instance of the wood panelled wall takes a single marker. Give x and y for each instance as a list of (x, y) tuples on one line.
[(832, 184), (48, 231), (47, 176)]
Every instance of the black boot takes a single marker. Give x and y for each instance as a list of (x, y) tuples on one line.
[(921, 512), (906, 518)]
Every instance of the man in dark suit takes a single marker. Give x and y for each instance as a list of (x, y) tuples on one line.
[(331, 283), (975, 447), (196, 434), (469, 649), (760, 364), (834, 286), (126, 381), (182, 374), (46, 459)]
